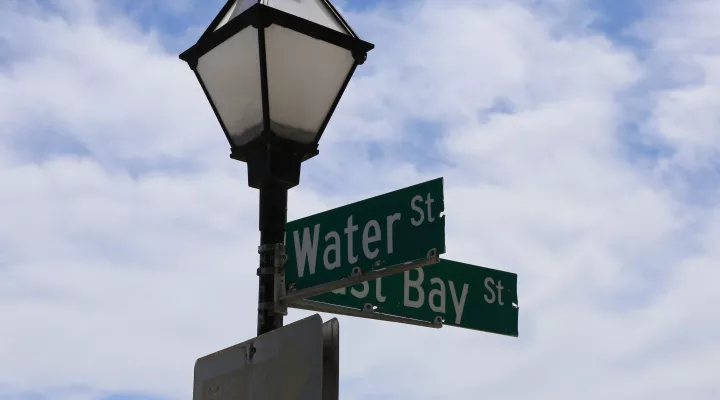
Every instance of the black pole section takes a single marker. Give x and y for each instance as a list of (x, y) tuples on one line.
[(273, 215)]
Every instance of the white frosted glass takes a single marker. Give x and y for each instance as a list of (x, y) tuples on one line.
[(236, 9), (311, 10), (228, 15), (231, 74), (305, 76)]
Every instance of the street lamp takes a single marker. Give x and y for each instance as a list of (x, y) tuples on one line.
[(273, 72)]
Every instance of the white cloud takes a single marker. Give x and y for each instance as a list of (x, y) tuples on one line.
[(119, 93), (686, 55), (116, 281)]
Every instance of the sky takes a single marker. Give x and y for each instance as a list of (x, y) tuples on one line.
[(579, 142)]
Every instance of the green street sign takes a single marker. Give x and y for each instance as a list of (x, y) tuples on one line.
[(463, 295), (402, 229)]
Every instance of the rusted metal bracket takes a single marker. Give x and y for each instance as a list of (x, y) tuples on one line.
[(358, 276), (368, 312)]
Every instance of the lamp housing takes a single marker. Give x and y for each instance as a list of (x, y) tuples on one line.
[(273, 72)]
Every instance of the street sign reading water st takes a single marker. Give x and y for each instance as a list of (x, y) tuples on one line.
[(463, 295), (393, 232)]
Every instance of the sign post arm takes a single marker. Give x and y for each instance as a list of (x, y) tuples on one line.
[(358, 276), (317, 306)]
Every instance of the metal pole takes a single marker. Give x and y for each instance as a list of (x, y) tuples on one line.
[(273, 215)]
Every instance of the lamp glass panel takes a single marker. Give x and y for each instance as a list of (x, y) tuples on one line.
[(238, 7), (305, 76), (231, 75), (311, 10)]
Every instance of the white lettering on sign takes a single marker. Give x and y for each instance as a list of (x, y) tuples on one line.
[(438, 294), (414, 284), (378, 291), (414, 293), (334, 253), (361, 294), (390, 220), (421, 216), (459, 304), (429, 202), (499, 291), (352, 258), (335, 247), (437, 297), (367, 238), (306, 249), (491, 299)]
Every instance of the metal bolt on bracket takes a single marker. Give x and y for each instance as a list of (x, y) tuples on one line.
[(251, 350)]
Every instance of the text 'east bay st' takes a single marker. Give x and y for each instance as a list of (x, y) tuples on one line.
[(463, 295)]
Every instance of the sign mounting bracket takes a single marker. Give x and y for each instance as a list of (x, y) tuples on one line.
[(358, 276), (367, 312)]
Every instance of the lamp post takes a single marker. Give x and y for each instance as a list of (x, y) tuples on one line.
[(273, 72)]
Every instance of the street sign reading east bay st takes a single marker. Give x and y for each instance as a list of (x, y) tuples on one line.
[(404, 228), (464, 295)]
